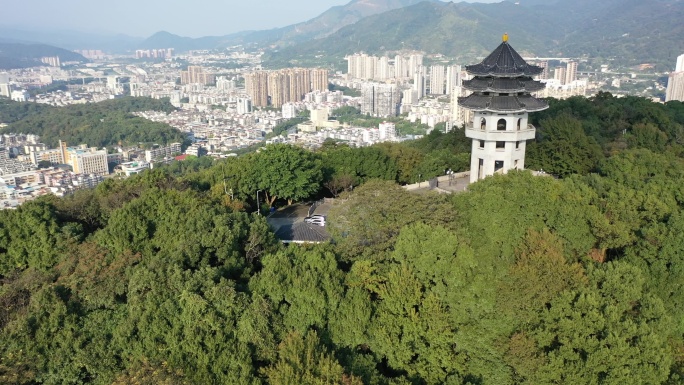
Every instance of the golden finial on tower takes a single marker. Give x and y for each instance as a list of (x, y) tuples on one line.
[(505, 37)]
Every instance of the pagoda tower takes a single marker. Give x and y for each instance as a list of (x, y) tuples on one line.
[(500, 101)]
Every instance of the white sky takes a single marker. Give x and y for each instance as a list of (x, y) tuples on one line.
[(142, 18)]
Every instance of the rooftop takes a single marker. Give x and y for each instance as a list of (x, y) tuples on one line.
[(494, 103), (504, 62), (302, 233), (503, 85)]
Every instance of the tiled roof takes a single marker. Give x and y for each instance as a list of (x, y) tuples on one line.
[(302, 233), (520, 103), (503, 85), (504, 62)]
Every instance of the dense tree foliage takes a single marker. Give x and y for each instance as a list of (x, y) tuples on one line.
[(100, 125), (575, 135), (165, 278)]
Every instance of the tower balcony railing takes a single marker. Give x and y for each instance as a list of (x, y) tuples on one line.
[(475, 132)]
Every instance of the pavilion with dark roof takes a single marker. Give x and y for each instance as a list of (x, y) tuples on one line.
[(501, 100)]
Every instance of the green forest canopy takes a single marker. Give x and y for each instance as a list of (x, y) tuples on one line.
[(163, 278), (103, 124)]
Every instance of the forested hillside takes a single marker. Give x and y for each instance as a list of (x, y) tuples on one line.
[(15, 55), (99, 124), (631, 32), (170, 278)]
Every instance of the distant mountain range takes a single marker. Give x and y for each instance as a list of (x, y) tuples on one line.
[(321, 26), (18, 55), (634, 31), (630, 30), (70, 39)]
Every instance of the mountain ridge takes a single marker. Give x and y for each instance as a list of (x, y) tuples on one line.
[(466, 31), (20, 55), (320, 26)]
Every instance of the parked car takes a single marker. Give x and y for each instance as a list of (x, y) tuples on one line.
[(319, 221)]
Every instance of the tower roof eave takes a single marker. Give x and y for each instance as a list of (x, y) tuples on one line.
[(507, 104), (503, 85)]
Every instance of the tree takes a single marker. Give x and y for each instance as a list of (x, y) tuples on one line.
[(498, 211), (33, 236), (304, 285), (303, 360), (339, 183), (563, 148), (647, 135), (611, 332), (540, 273), (659, 253), (283, 171), (362, 164), (366, 223), (406, 158)]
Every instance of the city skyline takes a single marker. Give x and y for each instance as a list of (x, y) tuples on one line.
[(138, 19)]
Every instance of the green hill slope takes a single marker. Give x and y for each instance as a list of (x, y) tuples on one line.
[(637, 32), (15, 55)]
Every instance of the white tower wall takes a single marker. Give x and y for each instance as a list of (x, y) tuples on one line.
[(495, 150)]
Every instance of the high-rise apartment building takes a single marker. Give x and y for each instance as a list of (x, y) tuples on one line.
[(163, 53), (675, 82), (244, 105), (559, 74), (379, 99), (275, 88), (453, 78), (319, 80), (256, 86), (224, 84), (5, 88), (419, 82), (675, 87), (382, 69), (196, 74), (363, 66), (545, 70), (415, 62), (52, 61), (571, 72), (459, 115), (400, 67), (437, 79)]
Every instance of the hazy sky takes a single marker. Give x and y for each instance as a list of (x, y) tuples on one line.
[(142, 18)]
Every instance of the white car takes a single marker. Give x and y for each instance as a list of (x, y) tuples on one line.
[(319, 221)]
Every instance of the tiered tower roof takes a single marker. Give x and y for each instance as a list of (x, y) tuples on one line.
[(504, 62), (503, 83)]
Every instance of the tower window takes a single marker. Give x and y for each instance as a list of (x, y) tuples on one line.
[(517, 145), (501, 125), (500, 145), (482, 144), (519, 124), (483, 124)]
